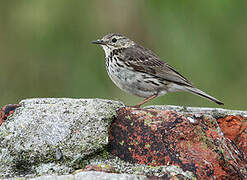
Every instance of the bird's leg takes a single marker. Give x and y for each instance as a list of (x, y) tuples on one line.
[(146, 100)]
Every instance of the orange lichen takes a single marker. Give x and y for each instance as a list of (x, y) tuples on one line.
[(235, 128), (156, 137), (6, 111), (232, 126)]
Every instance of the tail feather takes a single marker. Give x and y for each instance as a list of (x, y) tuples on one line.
[(203, 94)]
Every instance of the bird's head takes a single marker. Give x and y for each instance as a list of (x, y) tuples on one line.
[(114, 41)]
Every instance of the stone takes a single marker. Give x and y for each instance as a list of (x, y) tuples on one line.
[(187, 138), (52, 135), (93, 175), (61, 138)]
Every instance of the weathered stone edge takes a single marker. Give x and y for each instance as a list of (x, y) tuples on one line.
[(203, 110)]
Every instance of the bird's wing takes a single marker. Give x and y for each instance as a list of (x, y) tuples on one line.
[(144, 60)]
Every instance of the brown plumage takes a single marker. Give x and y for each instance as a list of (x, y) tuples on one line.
[(139, 71)]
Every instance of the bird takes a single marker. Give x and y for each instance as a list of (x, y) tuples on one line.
[(139, 71)]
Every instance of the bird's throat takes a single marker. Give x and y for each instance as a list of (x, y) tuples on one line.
[(107, 50)]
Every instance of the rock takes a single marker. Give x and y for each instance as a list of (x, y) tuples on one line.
[(92, 175), (50, 135), (53, 137), (113, 164), (216, 112), (187, 138), (6, 111), (233, 123), (235, 129)]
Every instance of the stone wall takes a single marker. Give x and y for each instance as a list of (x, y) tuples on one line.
[(64, 137)]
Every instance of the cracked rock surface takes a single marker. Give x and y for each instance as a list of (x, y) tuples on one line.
[(202, 142), (51, 135), (93, 175), (62, 138)]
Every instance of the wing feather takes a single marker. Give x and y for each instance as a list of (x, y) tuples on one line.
[(144, 60)]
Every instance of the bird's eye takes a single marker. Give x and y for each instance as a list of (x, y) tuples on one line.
[(114, 40)]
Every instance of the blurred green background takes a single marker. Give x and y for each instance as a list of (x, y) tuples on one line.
[(46, 50)]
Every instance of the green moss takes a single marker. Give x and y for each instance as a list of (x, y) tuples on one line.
[(149, 114), (147, 145), (244, 120), (105, 154), (189, 145), (121, 143), (135, 142), (204, 140), (154, 167), (128, 117), (147, 122)]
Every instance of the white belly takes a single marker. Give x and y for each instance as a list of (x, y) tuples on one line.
[(136, 83)]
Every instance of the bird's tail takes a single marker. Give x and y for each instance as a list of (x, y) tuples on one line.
[(203, 94)]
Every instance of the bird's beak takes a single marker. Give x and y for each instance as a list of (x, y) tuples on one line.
[(99, 41)]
